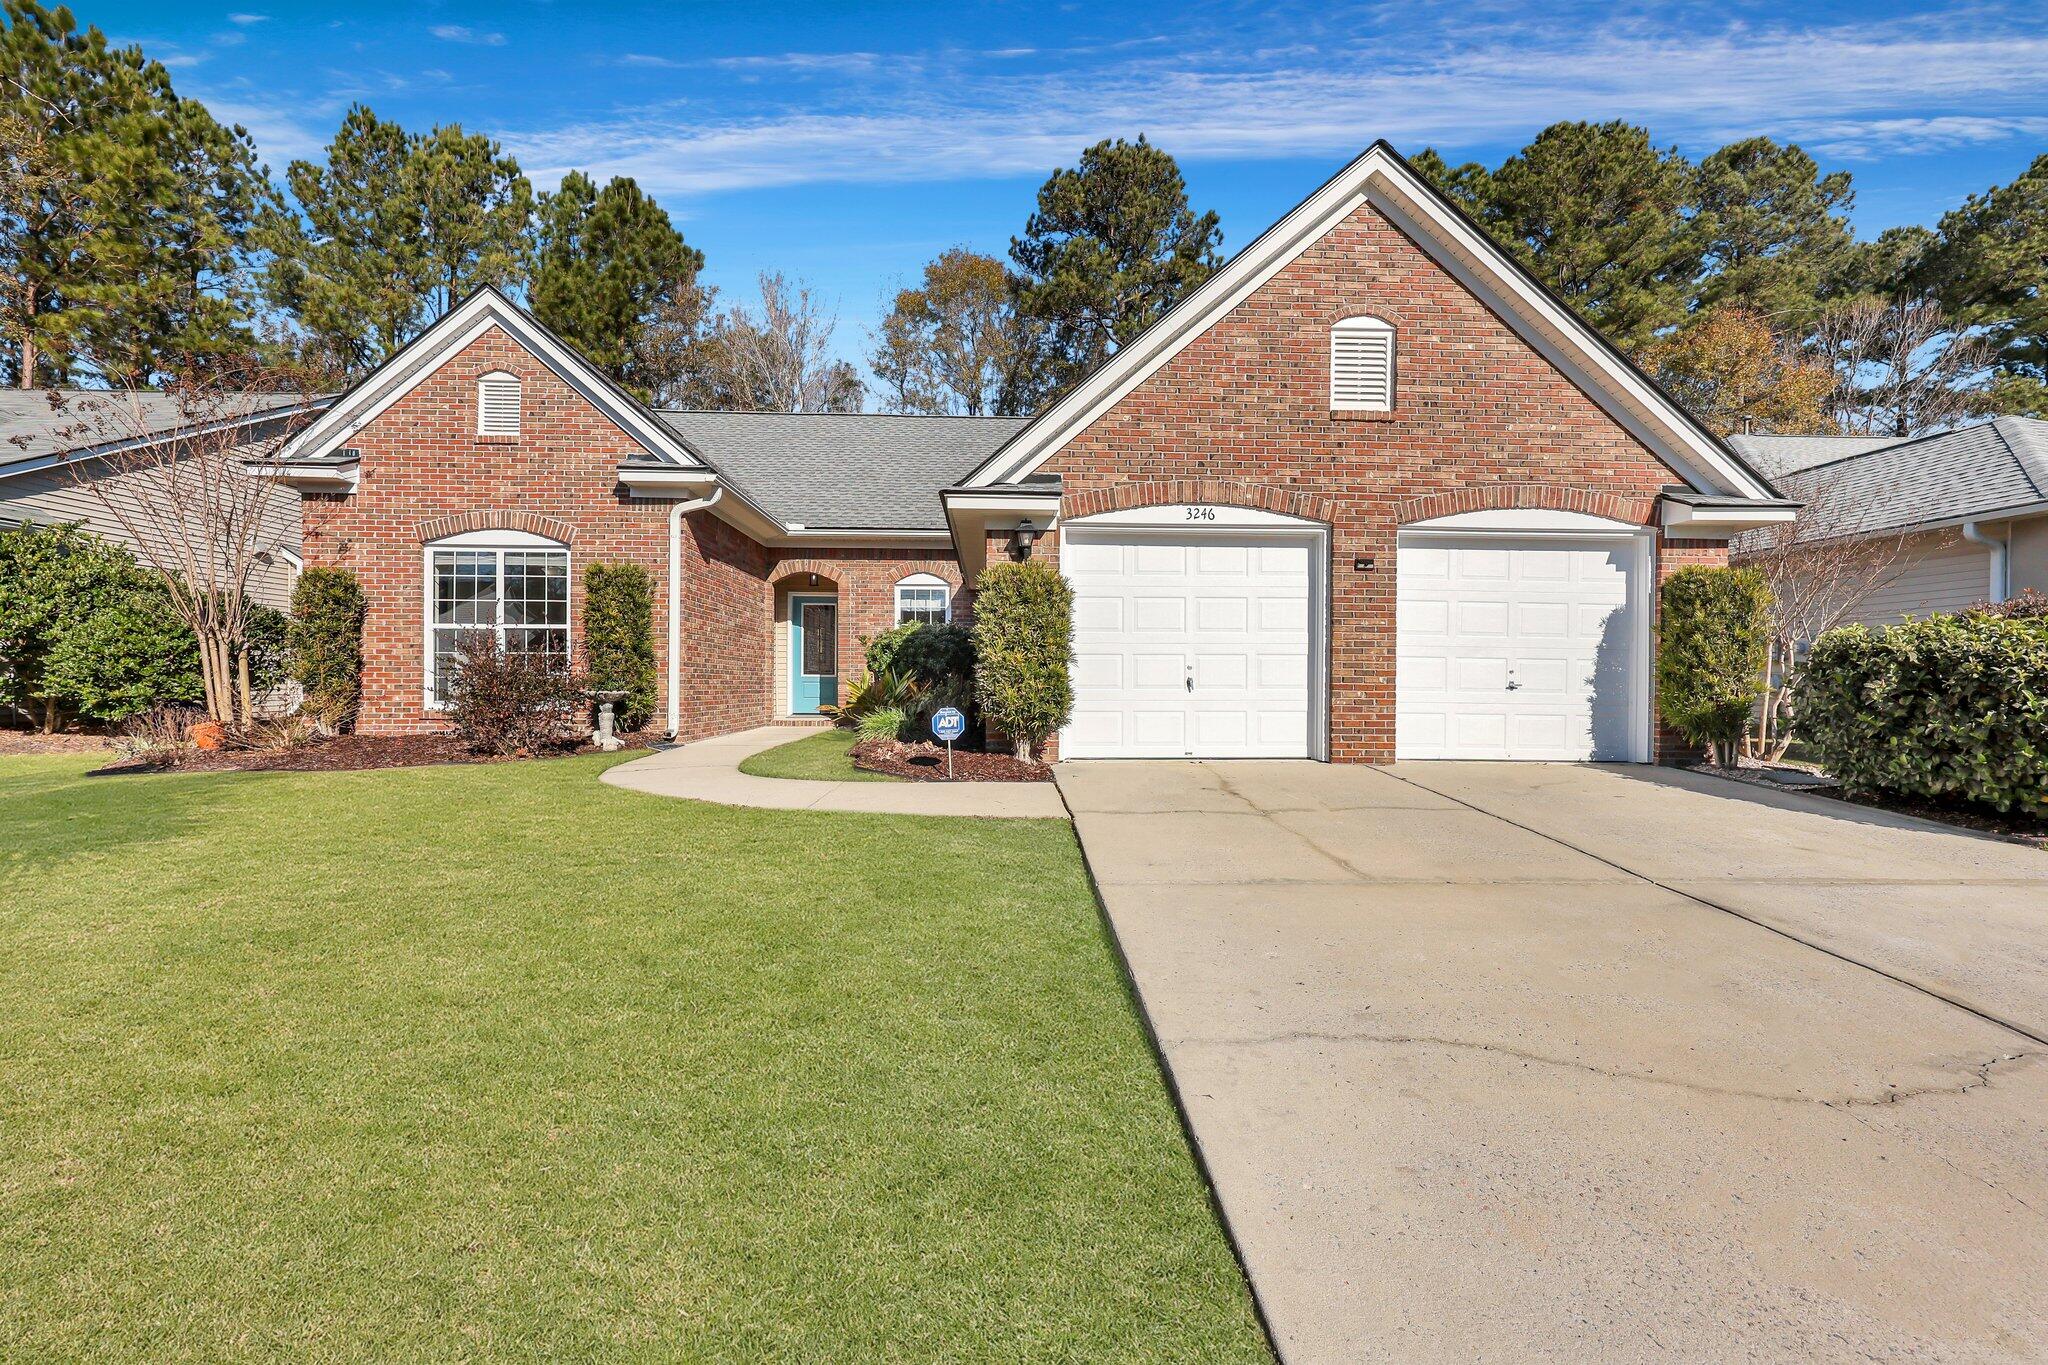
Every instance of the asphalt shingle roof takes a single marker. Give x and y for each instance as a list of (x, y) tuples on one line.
[(1949, 476), (1776, 455), (31, 426), (830, 471)]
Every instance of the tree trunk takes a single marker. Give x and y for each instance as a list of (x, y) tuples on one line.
[(28, 361), (242, 681), (1024, 750), (49, 715)]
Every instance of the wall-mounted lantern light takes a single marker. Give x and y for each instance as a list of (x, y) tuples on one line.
[(1020, 540)]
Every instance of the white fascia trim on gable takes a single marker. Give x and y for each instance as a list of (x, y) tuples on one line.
[(448, 338), (1379, 178)]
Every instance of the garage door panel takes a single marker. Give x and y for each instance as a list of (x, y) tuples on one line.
[(1228, 611), (1520, 648)]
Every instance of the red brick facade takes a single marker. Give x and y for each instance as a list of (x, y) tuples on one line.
[(426, 474), (1242, 416)]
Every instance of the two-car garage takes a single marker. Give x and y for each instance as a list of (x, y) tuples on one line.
[(1203, 632)]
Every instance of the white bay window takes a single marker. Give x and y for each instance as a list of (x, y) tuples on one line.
[(512, 585)]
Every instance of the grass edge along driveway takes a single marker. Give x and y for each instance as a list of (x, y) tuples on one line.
[(470, 1062)]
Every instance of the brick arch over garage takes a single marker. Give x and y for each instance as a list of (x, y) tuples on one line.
[(1521, 497), (1122, 497), (461, 523)]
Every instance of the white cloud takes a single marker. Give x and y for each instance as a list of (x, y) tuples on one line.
[(1851, 90), (248, 18), (462, 33), (646, 59)]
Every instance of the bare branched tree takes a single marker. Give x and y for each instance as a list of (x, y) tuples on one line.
[(774, 359), (1904, 368), (1817, 579), (171, 474)]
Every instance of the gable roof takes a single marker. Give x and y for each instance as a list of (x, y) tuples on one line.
[(1382, 178), (41, 427), (851, 471), (1993, 469), (445, 339), (1775, 456)]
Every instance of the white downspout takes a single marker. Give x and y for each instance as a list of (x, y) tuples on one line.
[(676, 513), (1999, 551)]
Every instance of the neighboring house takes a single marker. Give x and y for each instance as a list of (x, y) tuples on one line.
[(55, 448), (1968, 509), (1368, 492)]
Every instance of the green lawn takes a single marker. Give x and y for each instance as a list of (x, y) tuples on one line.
[(826, 756), (497, 1061)]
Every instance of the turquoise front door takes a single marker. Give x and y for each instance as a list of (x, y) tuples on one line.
[(813, 654)]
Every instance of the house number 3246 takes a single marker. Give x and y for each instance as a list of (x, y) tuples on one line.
[(1201, 514)]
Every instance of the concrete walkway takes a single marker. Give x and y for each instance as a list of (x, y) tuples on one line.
[(708, 770), (1506, 1062)]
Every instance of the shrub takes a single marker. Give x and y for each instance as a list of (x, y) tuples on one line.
[(325, 642), (882, 690), (1713, 635), (1949, 708), (158, 735), (926, 654), (884, 722), (618, 637), (2028, 604), (52, 580), (129, 656), (1023, 636), (269, 645), (504, 703)]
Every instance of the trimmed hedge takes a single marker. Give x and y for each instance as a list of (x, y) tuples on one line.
[(1949, 708), (924, 653), (325, 644), (1713, 634), (618, 638), (127, 657), (1024, 636)]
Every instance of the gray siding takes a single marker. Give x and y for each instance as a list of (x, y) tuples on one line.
[(60, 495), (1941, 572)]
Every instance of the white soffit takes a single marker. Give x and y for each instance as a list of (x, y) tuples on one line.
[(1379, 177)]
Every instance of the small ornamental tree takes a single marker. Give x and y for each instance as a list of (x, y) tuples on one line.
[(1713, 639), (1023, 637), (325, 645), (618, 637)]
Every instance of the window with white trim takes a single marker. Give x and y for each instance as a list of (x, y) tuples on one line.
[(924, 597), (1362, 365), (512, 585), (497, 404)]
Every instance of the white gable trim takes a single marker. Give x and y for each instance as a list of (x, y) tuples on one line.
[(448, 338), (1380, 178)]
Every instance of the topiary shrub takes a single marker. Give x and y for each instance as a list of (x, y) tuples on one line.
[(1952, 708), (618, 637), (1713, 636), (1024, 638), (324, 641), (502, 703)]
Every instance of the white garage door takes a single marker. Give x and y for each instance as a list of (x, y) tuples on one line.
[(1523, 648), (1190, 643)]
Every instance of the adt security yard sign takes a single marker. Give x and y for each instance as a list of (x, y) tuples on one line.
[(948, 724)]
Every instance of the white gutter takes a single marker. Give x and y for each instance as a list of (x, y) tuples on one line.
[(2000, 550), (676, 513)]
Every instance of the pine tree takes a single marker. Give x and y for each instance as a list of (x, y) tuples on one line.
[(1772, 231), (125, 210), (608, 268), (474, 208), (1990, 270), (1112, 246)]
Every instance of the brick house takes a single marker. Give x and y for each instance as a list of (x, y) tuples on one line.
[(1368, 492)]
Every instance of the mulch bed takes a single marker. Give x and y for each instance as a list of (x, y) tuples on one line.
[(2019, 829), (341, 753), (926, 762)]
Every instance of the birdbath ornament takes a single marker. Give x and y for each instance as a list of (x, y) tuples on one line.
[(607, 724)]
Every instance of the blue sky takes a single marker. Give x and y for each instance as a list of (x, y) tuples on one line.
[(848, 143)]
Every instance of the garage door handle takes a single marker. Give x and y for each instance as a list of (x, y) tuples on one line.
[(1512, 684), (1191, 682)]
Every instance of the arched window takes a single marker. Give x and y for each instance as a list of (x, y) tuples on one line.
[(1362, 365), (497, 404), (924, 597)]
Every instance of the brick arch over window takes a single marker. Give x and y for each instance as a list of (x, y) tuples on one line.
[(1122, 497), (460, 523), (1548, 497)]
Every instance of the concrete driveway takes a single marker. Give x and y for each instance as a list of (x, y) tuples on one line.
[(1507, 1062)]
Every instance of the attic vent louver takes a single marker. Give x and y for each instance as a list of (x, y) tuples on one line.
[(1362, 366), (497, 405)]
